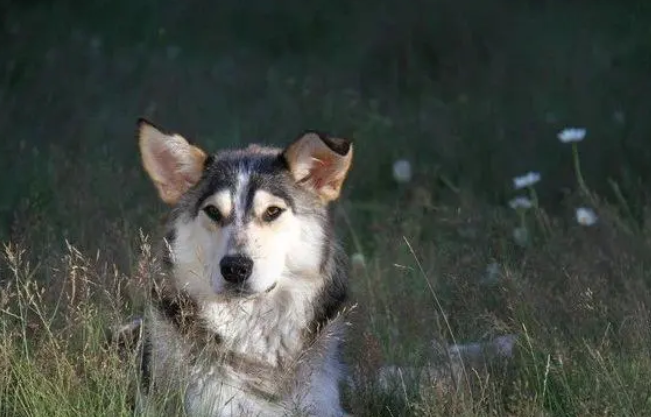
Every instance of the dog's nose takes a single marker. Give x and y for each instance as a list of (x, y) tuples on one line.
[(236, 269)]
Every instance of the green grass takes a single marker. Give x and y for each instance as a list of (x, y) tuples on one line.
[(578, 299), (471, 93)]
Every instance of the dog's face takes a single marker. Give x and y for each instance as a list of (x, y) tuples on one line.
[(246, 221)]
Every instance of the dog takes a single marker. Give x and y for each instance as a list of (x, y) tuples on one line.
[(247, 314)]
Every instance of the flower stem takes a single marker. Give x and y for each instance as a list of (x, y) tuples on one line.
[(538, 212), (577, 170), (534, 196)]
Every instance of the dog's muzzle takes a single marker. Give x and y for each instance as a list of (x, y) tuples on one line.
[(236, 269)]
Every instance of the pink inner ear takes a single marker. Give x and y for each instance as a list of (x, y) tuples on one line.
[(321, 172), (169, 169), (166, 162)]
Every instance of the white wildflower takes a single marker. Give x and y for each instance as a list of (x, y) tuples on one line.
[(520, 202), (402, 170), (501, 347), (572, 134), (526, 180), (492, 275), (493, 269), (586, 216), (357, 260), (504, 345)]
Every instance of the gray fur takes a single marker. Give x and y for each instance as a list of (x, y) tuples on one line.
[(185, 354)]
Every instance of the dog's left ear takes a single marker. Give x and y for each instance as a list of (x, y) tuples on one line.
[(320, 163)]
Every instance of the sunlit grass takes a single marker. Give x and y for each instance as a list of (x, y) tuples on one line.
[(577, 300)]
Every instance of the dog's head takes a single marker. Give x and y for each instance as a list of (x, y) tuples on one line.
[(246, 221)]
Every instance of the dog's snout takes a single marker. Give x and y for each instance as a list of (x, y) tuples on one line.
[(236, 269)]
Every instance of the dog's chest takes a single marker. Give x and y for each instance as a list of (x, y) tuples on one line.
[(259, 331), (216, 391), (308, 385)]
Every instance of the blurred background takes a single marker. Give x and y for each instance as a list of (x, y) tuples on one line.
[(471, 92)]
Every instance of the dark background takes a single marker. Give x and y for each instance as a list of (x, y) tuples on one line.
[(471, 92)]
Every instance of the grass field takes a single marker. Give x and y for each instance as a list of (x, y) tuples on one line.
[(471, 93)]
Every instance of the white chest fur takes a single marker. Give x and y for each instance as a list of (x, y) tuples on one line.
[(279, 373)]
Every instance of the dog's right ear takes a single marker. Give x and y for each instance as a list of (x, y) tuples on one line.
[(171, 162)]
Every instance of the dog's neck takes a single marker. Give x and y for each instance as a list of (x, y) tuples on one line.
[(271, 328), (271, 331)]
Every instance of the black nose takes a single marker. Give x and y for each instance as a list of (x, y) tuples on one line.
[(236, 269)]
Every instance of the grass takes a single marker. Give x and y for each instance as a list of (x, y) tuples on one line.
[(471, 94), (577, 298)]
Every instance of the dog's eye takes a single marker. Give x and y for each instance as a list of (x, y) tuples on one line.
[(272, 213), (213, 212)]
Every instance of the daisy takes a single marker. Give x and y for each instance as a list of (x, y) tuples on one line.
[(586, 216), (357, 260), (526, 180), (521, 202), (572, 134), (402, 171), (492, 274)]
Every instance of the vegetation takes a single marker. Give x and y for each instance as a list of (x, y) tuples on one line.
[(472, 94)]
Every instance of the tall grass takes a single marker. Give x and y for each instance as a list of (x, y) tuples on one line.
[(55, 360), (578, 299)]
